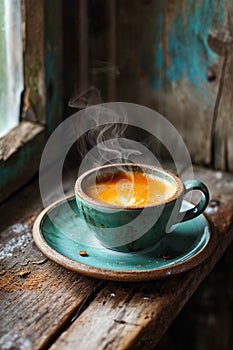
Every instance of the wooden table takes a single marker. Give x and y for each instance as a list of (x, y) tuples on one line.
[(46, 306)]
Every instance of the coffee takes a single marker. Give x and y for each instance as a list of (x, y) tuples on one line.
[(131, 189)]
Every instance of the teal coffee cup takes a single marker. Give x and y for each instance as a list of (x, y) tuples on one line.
[(130, 207)]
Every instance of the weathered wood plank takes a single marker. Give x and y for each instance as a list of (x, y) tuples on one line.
[(134, 316), (20, 152), (53, 52), (34, 102), (17, 137), (38, 298), (222, 131), (43, 61), (102, 48), (76, 59), (83, 46), (166, 63)]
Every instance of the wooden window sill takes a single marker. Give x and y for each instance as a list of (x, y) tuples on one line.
[(20, 153)]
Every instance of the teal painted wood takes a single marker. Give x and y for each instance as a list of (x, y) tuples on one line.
[(185, 53), (167, 64)]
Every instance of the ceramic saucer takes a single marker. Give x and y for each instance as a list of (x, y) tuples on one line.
[(61, 235)]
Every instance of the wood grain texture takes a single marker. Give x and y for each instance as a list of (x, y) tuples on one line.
[(75, 46), (39, 298), (102, 48), (43, 62), (53, 62), (221, 41), (34, 102), (16, 138), (20, 152), (167, 63)]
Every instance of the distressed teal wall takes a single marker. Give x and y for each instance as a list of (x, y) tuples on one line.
[(166, 63), (185, 53)]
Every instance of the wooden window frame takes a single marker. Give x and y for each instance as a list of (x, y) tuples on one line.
[(42, 103)]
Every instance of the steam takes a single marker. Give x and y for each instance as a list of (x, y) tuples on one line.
[(106, 137), (89, 97), (117, 150)]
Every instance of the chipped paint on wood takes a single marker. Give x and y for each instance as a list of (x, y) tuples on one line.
[(167, 64), (187, 54)]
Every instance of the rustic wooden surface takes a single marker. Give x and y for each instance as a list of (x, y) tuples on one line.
[(44, 305)]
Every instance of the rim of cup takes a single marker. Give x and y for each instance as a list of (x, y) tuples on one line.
[(80, 192)]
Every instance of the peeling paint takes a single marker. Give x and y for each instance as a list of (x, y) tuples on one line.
[(187, 54)]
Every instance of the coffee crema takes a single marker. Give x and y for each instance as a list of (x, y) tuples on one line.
[(131, 189)]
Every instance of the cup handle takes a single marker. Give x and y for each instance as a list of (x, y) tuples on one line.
[(192, 185)]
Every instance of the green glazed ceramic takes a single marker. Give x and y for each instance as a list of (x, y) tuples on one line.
[(130, 228), (66, 239)]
